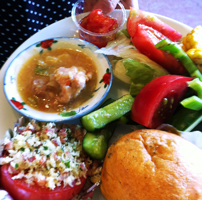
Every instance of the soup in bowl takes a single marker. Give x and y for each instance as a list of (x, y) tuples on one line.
[(57, 79)]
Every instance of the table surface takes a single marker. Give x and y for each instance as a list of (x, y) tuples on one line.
[(186, 11)]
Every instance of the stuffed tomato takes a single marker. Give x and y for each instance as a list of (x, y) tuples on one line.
[(44, 162)]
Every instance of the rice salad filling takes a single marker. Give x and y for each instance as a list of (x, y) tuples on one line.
[(46, 155)]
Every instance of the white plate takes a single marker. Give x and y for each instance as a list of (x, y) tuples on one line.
[(63, 27)]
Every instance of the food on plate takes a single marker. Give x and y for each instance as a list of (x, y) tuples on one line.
[(146, 30), (194, 102), (103, 116), (145, 39), (192, 45), (185, 119), (137, 16), (150, 164), (140, 74), (96, 22), (44, 161), (129, 65), (174, 49), (95, 144), (158, 100), (57, 80)]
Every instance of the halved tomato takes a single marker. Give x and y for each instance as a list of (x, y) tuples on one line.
[(137, 16), (145, 39), (19, 190), (158, 100)]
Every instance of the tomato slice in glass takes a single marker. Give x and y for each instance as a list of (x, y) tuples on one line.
[(98, 23), (145, 39), (158, 100), (19, 190)]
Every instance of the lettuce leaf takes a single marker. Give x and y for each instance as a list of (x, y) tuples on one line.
[(129, 65), (140, 74)]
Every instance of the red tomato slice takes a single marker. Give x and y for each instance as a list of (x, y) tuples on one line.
[(137, 16), (145, 39), (158, 100), (21, 191)]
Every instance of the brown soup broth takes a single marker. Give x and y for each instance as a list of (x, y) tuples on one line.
[(52, 60)]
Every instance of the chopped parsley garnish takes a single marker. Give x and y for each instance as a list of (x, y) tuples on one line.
[(45, 147), (22, 149), (67, 163)]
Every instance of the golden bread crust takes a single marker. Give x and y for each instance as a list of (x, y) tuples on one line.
[(151, 164)]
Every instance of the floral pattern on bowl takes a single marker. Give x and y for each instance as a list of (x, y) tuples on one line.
[(103, 85)]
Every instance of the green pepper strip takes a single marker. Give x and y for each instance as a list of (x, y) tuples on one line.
[(95, 144), (194, 102), (174, 49), (185, 119), (196, 85)]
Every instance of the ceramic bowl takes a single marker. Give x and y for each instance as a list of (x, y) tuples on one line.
[(99, 39), (104, 80)]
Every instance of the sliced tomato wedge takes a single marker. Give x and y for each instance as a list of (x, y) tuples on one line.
[(145, 39), (19, 190), (137, 16), (158, 100)]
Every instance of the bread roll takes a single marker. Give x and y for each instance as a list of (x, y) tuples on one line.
[(152, 165)]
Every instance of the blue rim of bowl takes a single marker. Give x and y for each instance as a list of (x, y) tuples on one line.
[(92, 33), (63, 118)]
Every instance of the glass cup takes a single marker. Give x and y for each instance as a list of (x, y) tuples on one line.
[(99, 39)]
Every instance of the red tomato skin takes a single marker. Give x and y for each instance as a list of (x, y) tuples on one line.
[(21, 191), (145, 39), (147, 108), (98, 23), (137, 16)]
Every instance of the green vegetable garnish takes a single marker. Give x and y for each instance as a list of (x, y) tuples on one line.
[(45, 148), (140, 74), (194, 102), (42, 71), (16, 165)]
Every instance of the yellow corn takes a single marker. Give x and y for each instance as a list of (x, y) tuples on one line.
[(193, 39), (192, 44), (196, 55)]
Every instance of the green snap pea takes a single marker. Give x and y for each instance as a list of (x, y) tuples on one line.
[(103, 116)]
